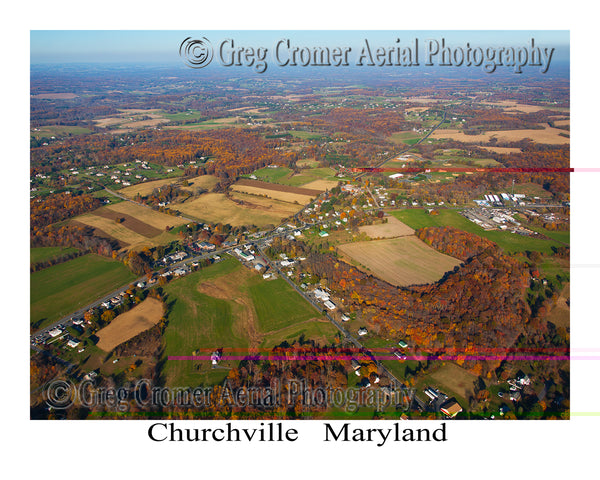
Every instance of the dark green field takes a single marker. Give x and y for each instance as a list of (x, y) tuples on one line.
[(59, 290), (41, 254), (509, 242)]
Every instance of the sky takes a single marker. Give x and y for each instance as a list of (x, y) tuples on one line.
[(63, 46)]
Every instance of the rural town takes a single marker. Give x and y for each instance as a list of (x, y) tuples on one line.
[(373, 235)]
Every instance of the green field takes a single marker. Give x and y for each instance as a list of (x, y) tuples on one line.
[(58, 131), (278, 306), (272, 174), (249, 311), (62, 289), (41, 254), (510, 242)]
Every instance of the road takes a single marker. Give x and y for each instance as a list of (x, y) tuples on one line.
[(349, 337), (410, 147)]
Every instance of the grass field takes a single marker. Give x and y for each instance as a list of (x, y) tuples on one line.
[(510, 242), (129, 324), (278, 306), (229, 306), (400, 261), (58, 131), (61, 289), (41, 254)]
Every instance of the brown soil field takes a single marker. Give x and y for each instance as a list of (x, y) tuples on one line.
[(130, 222), (562, 123), (321, 185), (216, 207), (416, 109), (147, 215), (400, 261), (455, 378), (266, 204), (393, 228), (113, 230), (560, 315), (203, 181), (137, 111), (146, 188), (273, 194), (129, 324), (279, 188), (503, 150), (548, 135), (514, 107), (55, 96), (101, 233)]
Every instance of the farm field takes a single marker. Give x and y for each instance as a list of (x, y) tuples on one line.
[(141, 227), (61, 289), (58, 130), (216, 207), (401, 261), (278, 192), (229, 306), (509, 242), (393, 228), (147, 215), (129, 324), (547, 135), (41, 254), (454, 381), (146, 188)]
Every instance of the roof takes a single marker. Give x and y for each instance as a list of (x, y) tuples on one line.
[(451, 408)]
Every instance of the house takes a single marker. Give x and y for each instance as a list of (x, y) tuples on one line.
[(345, 317), (402, 344), (451, 408), (355, 364), (329, 304), (323, 233), (73, 343), (215, 357), (206, 246), (55, 332), (362, 331)]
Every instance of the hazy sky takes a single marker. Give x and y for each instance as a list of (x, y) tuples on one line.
[(60, 46)]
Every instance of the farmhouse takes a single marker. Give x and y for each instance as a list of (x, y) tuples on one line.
[(451, 408)]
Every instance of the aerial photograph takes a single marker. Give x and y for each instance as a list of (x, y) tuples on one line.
[(300, 225)]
